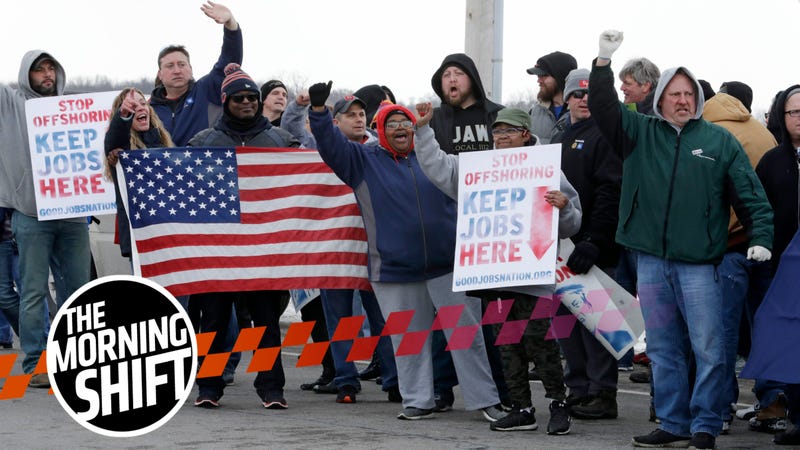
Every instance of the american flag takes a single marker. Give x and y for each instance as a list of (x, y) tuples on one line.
[(238, 219)]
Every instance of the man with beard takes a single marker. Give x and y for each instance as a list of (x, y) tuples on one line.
[(242, 124), (548, 115), (463, 121), (64, 240)]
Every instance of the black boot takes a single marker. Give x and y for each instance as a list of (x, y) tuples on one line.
[(602, 406), (373, 370)]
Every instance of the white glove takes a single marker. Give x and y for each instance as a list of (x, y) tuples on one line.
[(758, 253), (609, 43)]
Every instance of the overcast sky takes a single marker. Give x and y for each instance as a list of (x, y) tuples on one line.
[(401, 43)]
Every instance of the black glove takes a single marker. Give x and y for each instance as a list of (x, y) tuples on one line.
[(583, 257), (318, 93)]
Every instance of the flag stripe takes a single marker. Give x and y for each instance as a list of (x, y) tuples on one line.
[(188, 240), (295, 190), (263, 261)]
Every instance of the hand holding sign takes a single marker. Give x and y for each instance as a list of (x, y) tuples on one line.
[(556, 198)]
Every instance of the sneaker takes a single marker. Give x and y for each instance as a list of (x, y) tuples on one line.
[(791, 437), (661, 438), (494, 413), (228, 378), (768, 425), (346, 394), (275, 403), (518, 420), (747, 413), (329, 388), (702, 441), (394, 394), (602, 406), (560, 420), (534, 375), (207, 401), (444, 401), (625, 368), (39, 381), (412, 413), (640, 377), (726, 426), (322, 380)]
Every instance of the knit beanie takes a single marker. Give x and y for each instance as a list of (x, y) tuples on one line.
[(708, 91), (740, 91), (269, 86), (237, 80)]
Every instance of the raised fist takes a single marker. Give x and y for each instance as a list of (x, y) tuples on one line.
[(609, 43)]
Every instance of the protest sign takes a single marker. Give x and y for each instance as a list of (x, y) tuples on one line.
[(607, 310), (65, 135), (506, 232)]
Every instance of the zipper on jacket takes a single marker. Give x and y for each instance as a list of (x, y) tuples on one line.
[(419, 207), (669, 196)]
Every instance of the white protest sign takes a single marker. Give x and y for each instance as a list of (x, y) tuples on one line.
[(66, 135), (506, 232), (607, 310)]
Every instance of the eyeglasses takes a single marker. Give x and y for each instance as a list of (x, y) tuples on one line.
[(393, 125), (793, 113), (579, 94), (504, 131), (239, 98)]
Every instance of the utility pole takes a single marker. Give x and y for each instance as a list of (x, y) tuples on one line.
[(483, 42)]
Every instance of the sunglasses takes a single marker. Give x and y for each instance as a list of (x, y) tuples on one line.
[(393, 125), (579, 94), (239, 98)]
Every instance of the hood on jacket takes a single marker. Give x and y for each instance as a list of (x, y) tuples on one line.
[(24, 73), (724, 106), (466, 64), (666, 77), (777, 111), (386, 110)]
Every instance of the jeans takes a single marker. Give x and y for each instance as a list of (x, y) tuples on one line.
[(338, 304), (682, 308), (9, 298), (744, 282), (38, 242), (625, 276)]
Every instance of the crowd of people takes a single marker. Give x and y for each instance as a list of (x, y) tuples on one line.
[(677, 192)]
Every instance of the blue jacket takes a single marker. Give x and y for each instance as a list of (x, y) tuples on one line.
[(410, 223), (201, 106)]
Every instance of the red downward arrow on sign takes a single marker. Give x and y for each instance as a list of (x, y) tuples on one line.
[(541, 223)]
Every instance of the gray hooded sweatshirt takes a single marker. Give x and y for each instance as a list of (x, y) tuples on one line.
[(16, 179)]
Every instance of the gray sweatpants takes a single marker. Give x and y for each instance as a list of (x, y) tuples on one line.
[(415, 372)]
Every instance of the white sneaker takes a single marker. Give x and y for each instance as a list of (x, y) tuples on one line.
[(748, 413)]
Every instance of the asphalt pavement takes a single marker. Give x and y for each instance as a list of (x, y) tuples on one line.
[(315, 421)]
